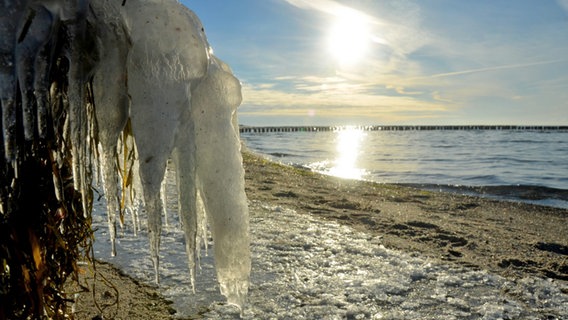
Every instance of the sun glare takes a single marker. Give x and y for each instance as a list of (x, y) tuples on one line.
[(349, 38), (348, 147)]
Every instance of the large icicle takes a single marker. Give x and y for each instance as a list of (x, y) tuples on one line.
[(168, 54), (111, 98), (78, 127), (184, 158), (220, 176)]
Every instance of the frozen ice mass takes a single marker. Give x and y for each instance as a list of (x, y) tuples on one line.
[(159, 94), (182, 102)]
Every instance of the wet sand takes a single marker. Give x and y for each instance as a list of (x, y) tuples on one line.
[(105, 292), (508, 238)]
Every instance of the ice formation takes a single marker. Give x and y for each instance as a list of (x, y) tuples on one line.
[(150, 63), (169, 55), (221, 181), (111, 98), (183, 100)]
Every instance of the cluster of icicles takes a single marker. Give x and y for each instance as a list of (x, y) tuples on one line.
[(154, 74)]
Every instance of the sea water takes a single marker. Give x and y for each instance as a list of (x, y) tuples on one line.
[(526, 165)]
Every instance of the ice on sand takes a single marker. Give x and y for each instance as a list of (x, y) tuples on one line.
[(307, 267)]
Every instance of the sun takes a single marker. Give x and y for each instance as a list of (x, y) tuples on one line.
[(348, 39)]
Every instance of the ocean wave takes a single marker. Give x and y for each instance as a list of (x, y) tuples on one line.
[(535, 194)]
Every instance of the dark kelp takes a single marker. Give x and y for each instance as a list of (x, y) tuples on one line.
[(45, 225)]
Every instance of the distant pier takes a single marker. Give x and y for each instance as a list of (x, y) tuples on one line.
[(255, 129)]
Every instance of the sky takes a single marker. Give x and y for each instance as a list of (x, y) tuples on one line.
[(394, 62)]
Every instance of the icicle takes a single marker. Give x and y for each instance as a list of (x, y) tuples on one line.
[(134, 219), (42, 100), (134, 197), (221, 176), (110, 179), (187, 204), (9, 126), (164, 196), (201, 226), (11, 13), (136, 216), (34, 52), (111, 97), (150, 180), (8, 105), (77, 112), (154, 210), (184, 159)]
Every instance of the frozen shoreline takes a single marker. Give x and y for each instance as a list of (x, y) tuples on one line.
[(306, 268)]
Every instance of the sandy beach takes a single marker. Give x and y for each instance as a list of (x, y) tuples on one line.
[(510, 239)]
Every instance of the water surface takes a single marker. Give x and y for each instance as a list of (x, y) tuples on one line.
[(520, 161)]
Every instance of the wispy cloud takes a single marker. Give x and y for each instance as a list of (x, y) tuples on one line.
[(563, 4), (351, 101), (331, 7), (496, 68)]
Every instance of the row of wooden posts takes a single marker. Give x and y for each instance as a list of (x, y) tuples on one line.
[(265, 129)]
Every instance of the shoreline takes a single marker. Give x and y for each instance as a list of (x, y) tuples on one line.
[(529, 194), (511, 239), (505, 237)]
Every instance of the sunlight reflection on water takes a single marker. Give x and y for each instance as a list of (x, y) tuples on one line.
[(348, 149)]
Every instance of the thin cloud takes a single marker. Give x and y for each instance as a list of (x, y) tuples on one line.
[(343, 115), (402, 90), (278, 100), (496, 68), (563, 4), (330, 7)]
